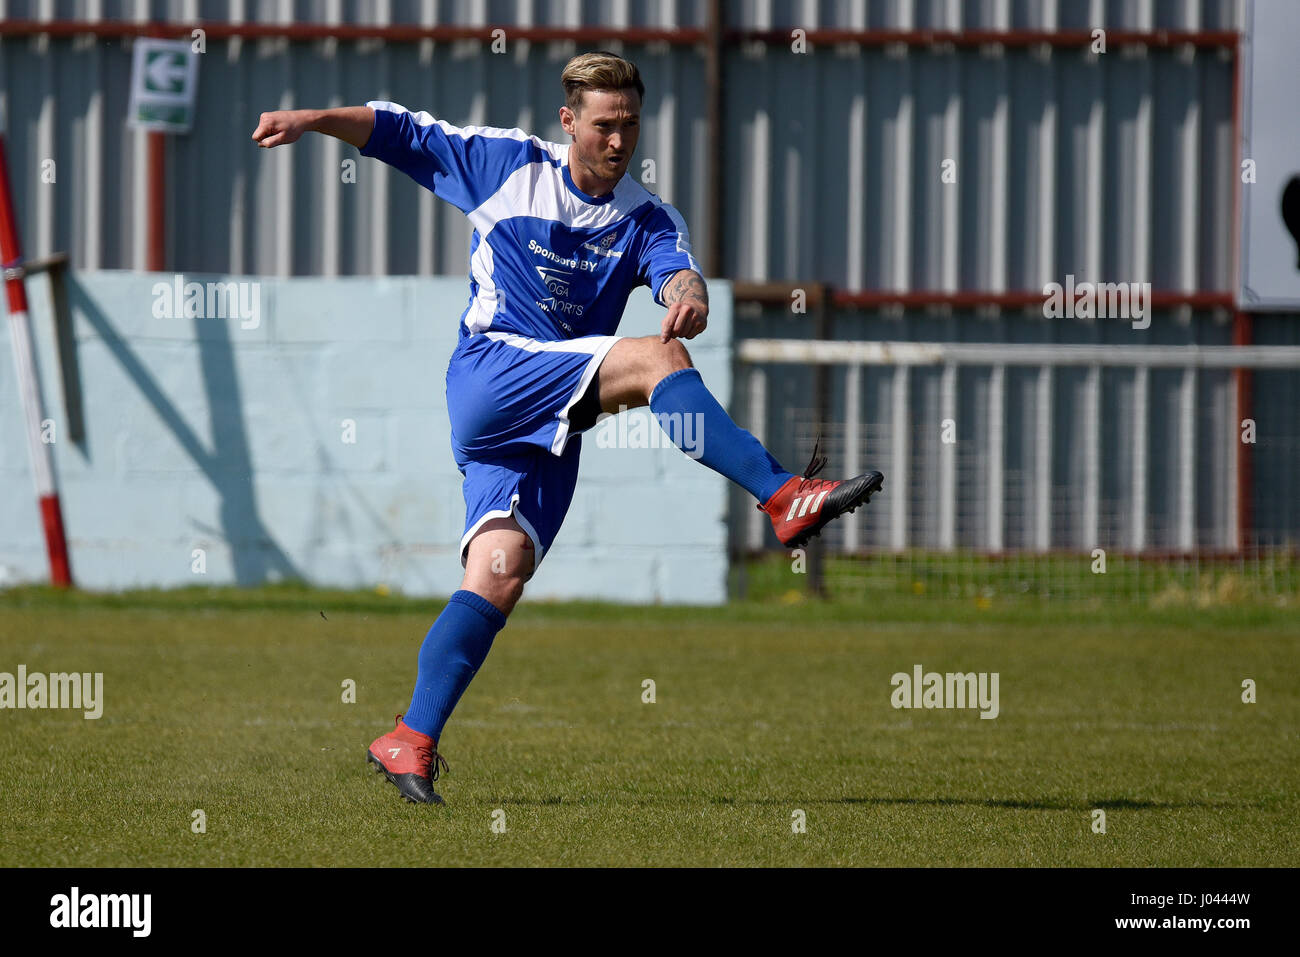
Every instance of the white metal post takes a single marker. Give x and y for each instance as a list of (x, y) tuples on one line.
[(1092, 457), (1187, 461), (1043, 462), (1232, 535), (1139, 516), (852, 443), (757, 423), (948, 460), (997, 442), (899, 461)]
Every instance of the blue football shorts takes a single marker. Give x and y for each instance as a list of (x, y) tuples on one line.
[(509, 398)]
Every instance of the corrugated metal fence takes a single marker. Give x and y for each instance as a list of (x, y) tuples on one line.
[(1116, 165)]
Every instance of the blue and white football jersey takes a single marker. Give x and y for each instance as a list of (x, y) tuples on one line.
[(547, 261)]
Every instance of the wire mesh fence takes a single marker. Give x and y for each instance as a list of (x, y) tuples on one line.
[(1101, 483)]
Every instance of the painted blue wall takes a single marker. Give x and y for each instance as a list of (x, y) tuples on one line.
[(227, 435)]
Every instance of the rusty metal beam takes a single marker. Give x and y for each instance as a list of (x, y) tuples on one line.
[(689, 36)]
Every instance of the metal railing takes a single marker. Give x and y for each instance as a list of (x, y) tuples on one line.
[(754, 354)]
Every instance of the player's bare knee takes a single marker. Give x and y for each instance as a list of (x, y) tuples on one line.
[(676, 355), (665, 359), (512, 589), (499, 562), (503, 590)]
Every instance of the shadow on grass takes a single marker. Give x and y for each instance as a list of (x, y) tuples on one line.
[(1045, 804), (1048, 804)]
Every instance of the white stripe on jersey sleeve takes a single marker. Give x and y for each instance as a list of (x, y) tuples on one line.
[(465, 132), (683, 246), (683, 234)]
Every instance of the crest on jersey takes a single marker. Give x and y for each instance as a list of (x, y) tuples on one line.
[(602, 248)]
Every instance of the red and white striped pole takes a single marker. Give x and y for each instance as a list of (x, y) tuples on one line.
[(25, 361)]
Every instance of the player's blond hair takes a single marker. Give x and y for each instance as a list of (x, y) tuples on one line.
[(601, 71)]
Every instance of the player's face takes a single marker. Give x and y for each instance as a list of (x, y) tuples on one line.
[(605, 132)]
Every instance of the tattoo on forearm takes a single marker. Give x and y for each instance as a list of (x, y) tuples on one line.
[(686, 284)]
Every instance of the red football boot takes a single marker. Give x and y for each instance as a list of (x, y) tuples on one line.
[(410, 760), (803, 506)]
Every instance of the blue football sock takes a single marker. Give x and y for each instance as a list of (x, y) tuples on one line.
[(452, 653), (701, 428)]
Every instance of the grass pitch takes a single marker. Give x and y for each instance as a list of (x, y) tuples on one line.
[(232, 702)]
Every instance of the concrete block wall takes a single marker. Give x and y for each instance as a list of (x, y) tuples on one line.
[(228, 435)]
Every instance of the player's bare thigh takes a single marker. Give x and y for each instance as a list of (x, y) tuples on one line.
[(500, 560), (634, 366)]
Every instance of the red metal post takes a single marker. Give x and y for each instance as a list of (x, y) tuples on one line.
[(156, 255), (25, 362)]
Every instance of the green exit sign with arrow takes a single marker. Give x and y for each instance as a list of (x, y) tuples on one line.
[(164, 83)]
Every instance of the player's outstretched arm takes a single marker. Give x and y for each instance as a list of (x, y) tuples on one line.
[(352, 124), (687, 298)]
